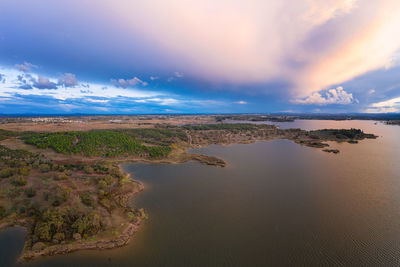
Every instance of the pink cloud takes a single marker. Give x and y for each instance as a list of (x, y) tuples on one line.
[(259, 41)]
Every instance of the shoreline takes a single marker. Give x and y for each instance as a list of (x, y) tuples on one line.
[(61, 249), (178, 155)]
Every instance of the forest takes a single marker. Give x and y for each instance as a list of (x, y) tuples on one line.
[(104, 143), (354, 134)]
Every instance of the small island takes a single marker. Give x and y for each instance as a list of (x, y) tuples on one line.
[(393, 122), (67, 187)]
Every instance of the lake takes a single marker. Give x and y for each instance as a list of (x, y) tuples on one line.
[(276, 203)]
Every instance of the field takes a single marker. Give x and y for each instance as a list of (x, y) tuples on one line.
[(86, 123)]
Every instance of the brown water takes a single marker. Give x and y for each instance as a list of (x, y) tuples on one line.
[(276, 203)]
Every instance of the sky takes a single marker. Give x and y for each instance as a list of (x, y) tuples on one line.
[(199, 56)]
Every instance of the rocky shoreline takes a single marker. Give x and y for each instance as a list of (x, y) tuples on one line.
[(119, 241), (107, 243)]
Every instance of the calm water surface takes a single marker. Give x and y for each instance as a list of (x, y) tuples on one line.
[(276, 203)]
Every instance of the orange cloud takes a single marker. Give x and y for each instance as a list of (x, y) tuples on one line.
[(311, 43)]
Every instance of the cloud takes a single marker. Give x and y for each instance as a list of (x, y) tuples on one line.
[(382, 110), (68, 80), (178, 74), (241, 102), (17, 84), (45, 96), (387, 106), (98, 100), (153, 78), (159, 101), (44, 83), (25, 86), (127, 83), (332, 96), (371, 91), (311, 44), (25, 67), (2, 78), (25, 81)]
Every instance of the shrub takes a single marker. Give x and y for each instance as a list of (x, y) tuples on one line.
[(87, 225), (18, 181), (87, 199), (88, 170), (14, 192), (142, 214), (43, 231), (46, 195), (59, 237), (60, 195), (38, 246), (108, 179), (44, 168), (60, 176), (21, 210), (35, 165), (116, 172), (124, 180), (102, 185), (7, 172), (30, 192), (49, 223), (24, 171), (2, 212)]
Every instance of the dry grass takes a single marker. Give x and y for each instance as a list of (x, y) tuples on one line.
[(103, 124)]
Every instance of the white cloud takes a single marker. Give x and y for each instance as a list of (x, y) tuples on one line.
[(388, 103), (241, 102), (332, 96), (188, 103), (97, 100), (382, 110), (178, 74), (127, 83), (387, 106), (371, 91), (164, 101)]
